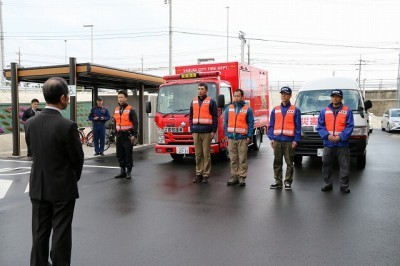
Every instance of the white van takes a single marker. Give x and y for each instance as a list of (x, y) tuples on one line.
[(315, 96)]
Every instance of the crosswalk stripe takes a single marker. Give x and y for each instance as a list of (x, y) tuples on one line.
[(4, 187)]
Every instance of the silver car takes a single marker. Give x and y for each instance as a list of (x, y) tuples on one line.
[(391, 120)]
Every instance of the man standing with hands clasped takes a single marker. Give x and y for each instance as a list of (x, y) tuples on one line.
[(203, 121), (126, 126), (238, 127), (335, 125), (99, 115), (284, 131)]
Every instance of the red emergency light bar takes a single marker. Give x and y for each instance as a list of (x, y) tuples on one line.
[(191, 75)]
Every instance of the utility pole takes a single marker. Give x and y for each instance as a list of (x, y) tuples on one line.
[(359, 71), (243, 42), (248, 53), (19, 57), (2, 45), (170, 34), (398, 84), (227, 34)]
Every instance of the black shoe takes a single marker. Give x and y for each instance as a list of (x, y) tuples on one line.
[(101, 154), (96, 153), (288, 186), (206, 179), (198, 179), (345, 189), (276, 186), (128, 175), (232, 181), (327, 188), (122, 174)]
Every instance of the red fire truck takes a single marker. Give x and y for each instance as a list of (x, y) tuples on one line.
[(176, 94)]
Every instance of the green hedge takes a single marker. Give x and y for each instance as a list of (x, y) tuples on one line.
[(83, 109)]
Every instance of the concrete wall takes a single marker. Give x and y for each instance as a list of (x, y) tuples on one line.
[(382, 100)]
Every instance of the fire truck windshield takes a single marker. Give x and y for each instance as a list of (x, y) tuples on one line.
[(176, 98)]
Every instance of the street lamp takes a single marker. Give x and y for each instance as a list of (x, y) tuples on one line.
[(65, 44), (91, 39)]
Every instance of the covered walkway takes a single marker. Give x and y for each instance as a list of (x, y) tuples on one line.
[(85, 75)]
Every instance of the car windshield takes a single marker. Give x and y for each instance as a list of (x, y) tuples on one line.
[(313, 101), (395, 113), (176, 99)]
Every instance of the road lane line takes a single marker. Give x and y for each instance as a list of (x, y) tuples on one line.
[(27, 188), (4, 187)]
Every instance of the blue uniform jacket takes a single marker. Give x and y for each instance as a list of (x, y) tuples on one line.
[(297, 123), (346, 133), (249, 118), (99, 112)]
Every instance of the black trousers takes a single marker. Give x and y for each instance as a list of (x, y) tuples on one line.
[(47, 216), (124, 151)]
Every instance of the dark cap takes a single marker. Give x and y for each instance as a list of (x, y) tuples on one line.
[(337, 92), (286, 90), (99, 98)]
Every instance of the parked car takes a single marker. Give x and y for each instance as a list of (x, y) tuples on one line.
[(391, 120)]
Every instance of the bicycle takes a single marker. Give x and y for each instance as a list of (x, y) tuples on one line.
[(86, 139)]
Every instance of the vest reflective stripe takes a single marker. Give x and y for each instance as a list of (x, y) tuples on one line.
[(335, 125), (237, 122), (122, 122), (284, 124), (201, 114)]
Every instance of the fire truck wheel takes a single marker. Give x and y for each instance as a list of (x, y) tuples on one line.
[(177, 157), (298, 159), (257, 139)]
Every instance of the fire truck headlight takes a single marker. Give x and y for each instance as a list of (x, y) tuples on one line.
[(160, 136), (215, 138)]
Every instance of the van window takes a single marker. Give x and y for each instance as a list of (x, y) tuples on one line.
[(313, 101)]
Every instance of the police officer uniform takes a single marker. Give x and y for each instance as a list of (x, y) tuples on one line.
[(126, 126)]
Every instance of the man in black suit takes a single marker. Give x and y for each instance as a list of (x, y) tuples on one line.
[(56, 169), (28, 113)]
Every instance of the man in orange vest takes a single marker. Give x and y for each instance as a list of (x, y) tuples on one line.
[(335, 125), (284, 131), (126, 126), (238, 127), (203, 121)]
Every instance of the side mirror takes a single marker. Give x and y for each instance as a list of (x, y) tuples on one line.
[(148, 107), (385, 115), (221, 101), (367, 104)]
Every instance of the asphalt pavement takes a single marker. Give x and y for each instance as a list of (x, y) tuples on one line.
[(161, 218)]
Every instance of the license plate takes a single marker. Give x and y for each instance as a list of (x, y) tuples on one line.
[(182, 150), (173, 129), (320, 152)]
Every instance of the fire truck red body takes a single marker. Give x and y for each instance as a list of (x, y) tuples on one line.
[(175, 95)]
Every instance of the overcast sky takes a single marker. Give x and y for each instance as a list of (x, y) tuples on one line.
[(295, 40)]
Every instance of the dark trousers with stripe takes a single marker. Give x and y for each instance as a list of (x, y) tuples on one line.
[(343, 156)]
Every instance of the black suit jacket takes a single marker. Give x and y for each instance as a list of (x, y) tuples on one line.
[(58, 156), (28, 113)]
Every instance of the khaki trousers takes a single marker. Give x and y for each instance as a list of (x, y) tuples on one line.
[(238, 155), (202, 144), (283, 149)]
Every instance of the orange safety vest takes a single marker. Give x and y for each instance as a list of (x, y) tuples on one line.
[(335, 125), (122, 121), (284, 124), (237, 122), (201, 114)]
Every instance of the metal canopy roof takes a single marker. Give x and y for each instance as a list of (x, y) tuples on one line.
[(90, 75)]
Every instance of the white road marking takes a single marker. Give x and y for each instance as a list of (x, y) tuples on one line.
[(27, 188), (3, 170), (4, 187)]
